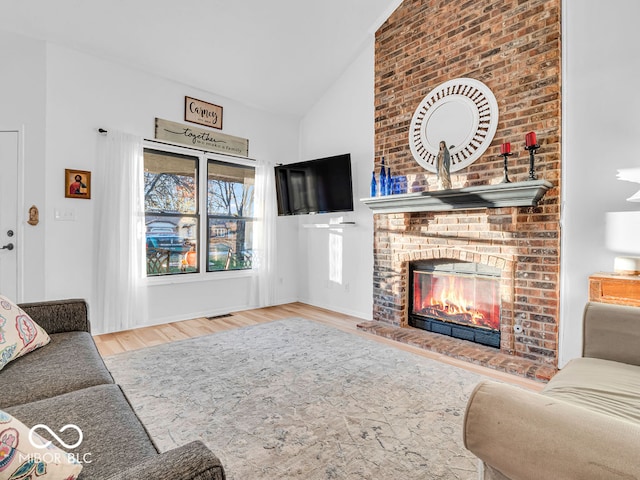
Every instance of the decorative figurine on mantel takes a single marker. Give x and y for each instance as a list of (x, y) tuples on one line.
[(443, 165)]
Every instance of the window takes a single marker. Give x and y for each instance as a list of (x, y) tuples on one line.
[(230, 193), (176, 226)]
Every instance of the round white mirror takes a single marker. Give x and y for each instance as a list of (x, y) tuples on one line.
[(463, 113)]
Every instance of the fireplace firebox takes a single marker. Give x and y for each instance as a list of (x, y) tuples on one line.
[(460, 299)]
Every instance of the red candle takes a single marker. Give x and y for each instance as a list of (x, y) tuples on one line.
[(505, 148), (530, 139)]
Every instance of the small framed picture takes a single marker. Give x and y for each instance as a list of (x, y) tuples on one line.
[(77, 183)]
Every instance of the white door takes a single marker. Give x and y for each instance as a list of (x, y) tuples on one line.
[(8, 214)]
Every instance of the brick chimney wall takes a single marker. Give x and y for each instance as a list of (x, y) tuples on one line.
[(513, 46)]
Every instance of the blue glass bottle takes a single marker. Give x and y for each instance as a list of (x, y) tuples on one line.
[(389, 184), (374, 184), (383, 179)]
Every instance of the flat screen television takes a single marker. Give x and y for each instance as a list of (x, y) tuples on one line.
[(315, 186)]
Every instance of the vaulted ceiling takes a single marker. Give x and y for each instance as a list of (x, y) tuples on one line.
[(277, 55)]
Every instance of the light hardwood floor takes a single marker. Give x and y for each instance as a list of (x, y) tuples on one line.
[(113, 343)]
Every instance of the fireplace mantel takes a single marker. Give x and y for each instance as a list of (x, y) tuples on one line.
[(516, 194)]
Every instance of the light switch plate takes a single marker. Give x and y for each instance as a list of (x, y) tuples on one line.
[(64, 214)]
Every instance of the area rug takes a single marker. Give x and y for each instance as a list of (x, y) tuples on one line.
[(295, 399)]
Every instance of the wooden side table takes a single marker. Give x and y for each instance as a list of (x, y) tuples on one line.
[(617, 289)]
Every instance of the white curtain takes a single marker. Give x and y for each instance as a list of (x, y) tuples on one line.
[(264, 239), (120, 289)]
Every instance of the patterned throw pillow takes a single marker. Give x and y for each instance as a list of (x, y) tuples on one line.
[(25, 454), (19, 334)]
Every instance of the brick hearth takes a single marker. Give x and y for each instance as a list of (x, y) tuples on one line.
[(514, 48), (462, 350)]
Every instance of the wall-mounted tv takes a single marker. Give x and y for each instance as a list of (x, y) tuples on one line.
[(315, 186)]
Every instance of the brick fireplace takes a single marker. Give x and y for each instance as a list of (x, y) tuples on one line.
[(514, 48)]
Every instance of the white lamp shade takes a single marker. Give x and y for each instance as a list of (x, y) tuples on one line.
[(623, 232)]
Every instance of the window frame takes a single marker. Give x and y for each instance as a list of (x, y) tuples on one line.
[(210, 217), (202, 216)]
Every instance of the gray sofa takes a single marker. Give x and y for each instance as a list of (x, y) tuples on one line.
[(584, 424), (66, 382)]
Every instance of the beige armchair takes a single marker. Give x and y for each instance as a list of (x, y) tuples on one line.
[(585, 423)]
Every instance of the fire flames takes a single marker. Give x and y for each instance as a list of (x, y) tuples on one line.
[(455, 299)]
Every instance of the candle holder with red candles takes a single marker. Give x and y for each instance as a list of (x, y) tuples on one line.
[(531, 144), (505, 151)]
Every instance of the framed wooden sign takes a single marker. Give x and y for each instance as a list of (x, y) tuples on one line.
[(202, 113), (77, 183), (201, 138)]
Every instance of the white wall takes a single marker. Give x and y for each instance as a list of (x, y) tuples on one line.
[(61, 97), (601, 129), (84, 93), (22, 107), (336, 266)]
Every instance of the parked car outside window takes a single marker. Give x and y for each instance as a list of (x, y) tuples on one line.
[(173, 243)]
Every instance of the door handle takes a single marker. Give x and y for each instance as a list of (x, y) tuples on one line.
[(8, 246)]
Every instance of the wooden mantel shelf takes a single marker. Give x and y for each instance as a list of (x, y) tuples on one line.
[(516, 194)]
